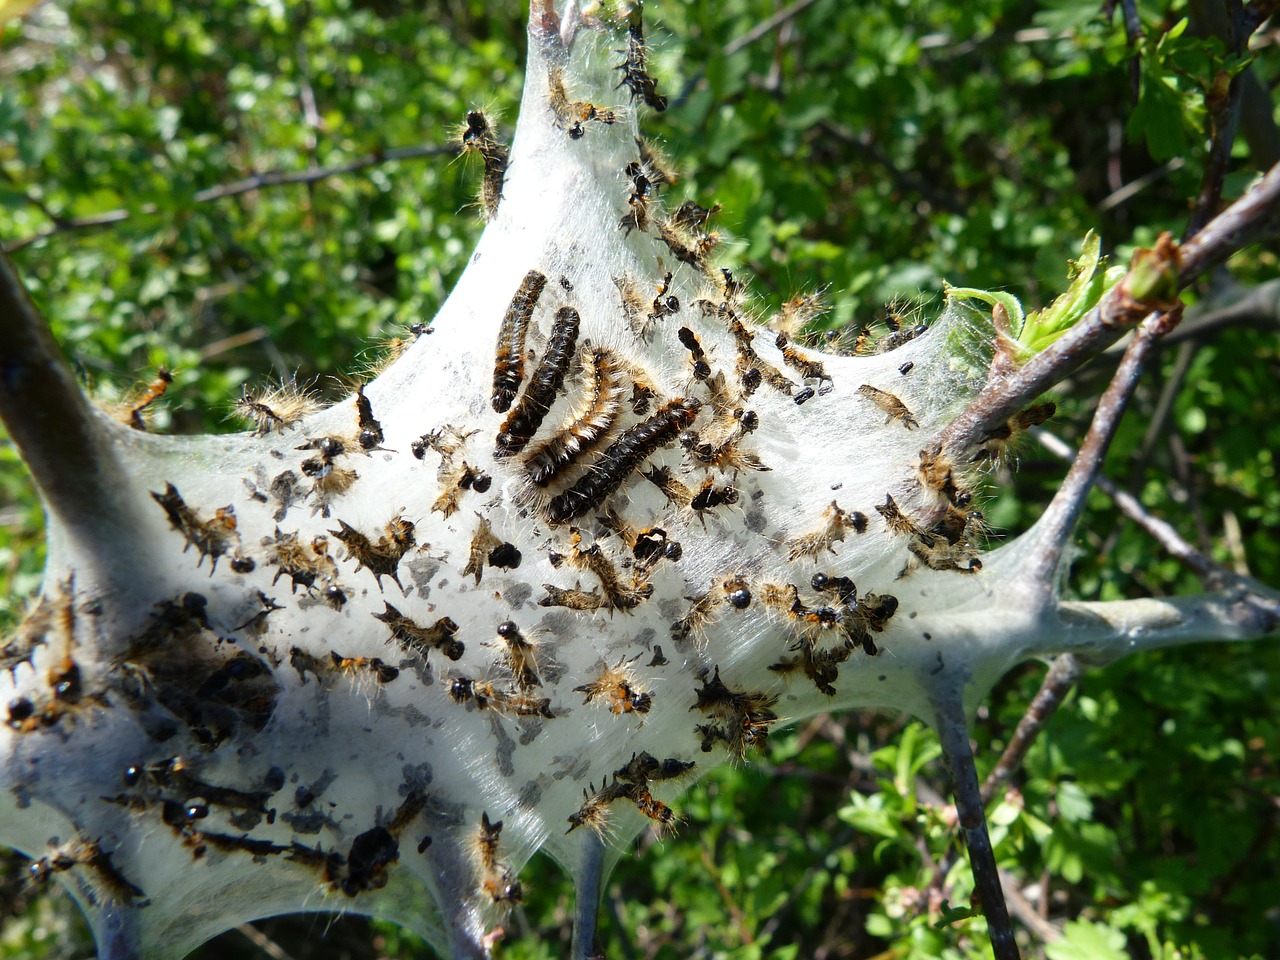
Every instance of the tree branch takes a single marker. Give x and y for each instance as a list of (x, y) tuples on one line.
[(953, 734), (1010, 388), (1134, 187), (1256, 113), (1214, 574), (263, 942), (903, 179), (1062, 676), (1158, 420), (587, 886), (117, 934), (1256, 307), (1052, 532), (1020, 907), (788, 12), (1252, 217), (258, 181), (1223, 115), (1102, 632), (62, 439), (1132, 33)]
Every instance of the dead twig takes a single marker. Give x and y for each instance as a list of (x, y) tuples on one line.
[(787, 13), (1026, 912), (263, 942)]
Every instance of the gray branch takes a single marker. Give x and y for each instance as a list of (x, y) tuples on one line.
[(1102, 632)]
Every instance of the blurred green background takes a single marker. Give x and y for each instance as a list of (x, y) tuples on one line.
[(877, 150)]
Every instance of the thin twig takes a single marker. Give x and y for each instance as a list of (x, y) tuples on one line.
[(1246, 221), (1182, 484), (233, 342), (1159, 418), (1213, 574), (31, 198), (780, 911), (1234, 536), (953, 734), (740, 922), (620, 927), (1025, 911), (764, 26), (1222, 120), (1136, 186), (903, 179), (1057, 683), (258, 181), (1052, 532)]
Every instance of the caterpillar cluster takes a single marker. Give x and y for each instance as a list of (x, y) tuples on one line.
[(560, 460)]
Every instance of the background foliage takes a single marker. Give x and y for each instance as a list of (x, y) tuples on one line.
[(878, 149)]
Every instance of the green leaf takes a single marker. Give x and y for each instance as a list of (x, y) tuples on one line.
[(1090, 280), (1082, 940), (868, 814), (1073, 804)]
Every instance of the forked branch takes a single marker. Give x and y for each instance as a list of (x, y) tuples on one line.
[(1054, 529)]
